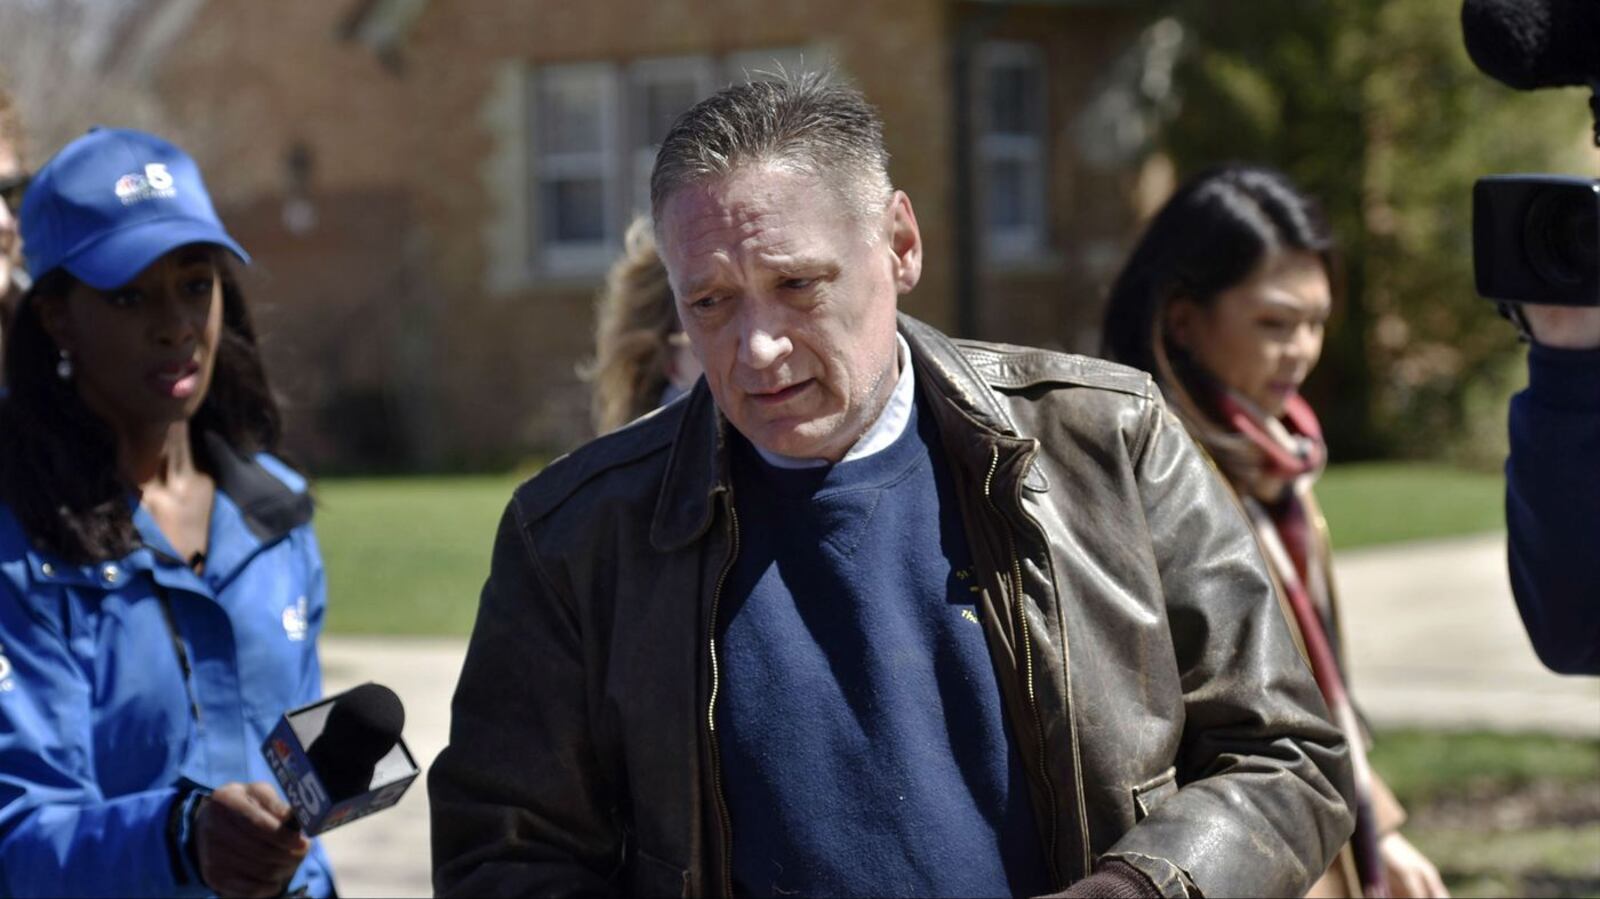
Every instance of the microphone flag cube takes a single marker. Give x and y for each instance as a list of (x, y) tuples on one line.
[(310, 773)]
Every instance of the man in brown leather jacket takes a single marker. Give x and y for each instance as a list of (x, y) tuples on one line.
[(1063, 668)]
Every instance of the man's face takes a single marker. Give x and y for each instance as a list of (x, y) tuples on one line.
[(789, 300)]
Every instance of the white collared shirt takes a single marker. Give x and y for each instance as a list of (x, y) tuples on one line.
[(888, 427)]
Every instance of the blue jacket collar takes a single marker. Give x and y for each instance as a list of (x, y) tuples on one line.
[(252, 502)]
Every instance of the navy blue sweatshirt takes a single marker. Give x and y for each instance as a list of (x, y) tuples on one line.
[(1553, 507), (864, 746)]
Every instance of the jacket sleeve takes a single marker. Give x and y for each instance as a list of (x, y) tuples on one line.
[(1553, 507), (1263, 805), (517, 799), (58, 834)]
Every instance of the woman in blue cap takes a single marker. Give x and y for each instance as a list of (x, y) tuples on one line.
[(161, 590)]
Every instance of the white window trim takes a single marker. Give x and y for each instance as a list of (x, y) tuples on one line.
[(642, 155), (513, 173), (1028, 241), (565, 257)]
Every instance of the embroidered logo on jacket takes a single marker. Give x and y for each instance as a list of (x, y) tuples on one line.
[(963, 576), (294, 620)]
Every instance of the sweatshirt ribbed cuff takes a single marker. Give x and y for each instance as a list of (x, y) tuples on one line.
[(1113, 880)]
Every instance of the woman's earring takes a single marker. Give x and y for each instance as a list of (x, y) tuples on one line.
[(64, 366)]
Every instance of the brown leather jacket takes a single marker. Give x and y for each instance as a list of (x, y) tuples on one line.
[(1158, 702)]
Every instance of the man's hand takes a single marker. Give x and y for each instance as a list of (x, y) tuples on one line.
[(1410, 874), (242, 843), (1564, 327)]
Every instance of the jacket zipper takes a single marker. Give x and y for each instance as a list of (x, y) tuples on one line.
[(711, 712), (1027, 663), (1066, 673), (184, 667)]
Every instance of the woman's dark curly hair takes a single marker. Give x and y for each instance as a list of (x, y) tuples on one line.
[(58, 460)]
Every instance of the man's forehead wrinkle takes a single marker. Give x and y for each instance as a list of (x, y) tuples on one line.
[(703, 231), (762, 231), (753, 227), (727, 229)]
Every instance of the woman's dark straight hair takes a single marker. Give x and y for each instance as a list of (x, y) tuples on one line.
[(58, 460), (1217, 229)]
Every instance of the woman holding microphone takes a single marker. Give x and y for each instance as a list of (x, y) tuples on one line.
[(161, 590)]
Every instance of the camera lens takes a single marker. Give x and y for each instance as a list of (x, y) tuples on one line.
[(1561, 235)]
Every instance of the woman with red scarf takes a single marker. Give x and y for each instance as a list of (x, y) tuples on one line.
[(1224, 301)]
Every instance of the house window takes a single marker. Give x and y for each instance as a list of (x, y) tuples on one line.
[(574, 123), (594, 130), (1011, 149), (659, 91)]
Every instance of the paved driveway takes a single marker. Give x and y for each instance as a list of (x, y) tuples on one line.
[(388, 853), (1434, 640)]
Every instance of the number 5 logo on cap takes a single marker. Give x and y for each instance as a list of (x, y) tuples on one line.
[(158, 176)]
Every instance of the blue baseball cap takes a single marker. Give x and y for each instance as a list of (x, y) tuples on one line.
[(112, 202)]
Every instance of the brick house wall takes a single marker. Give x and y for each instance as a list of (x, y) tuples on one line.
[(407, 325)]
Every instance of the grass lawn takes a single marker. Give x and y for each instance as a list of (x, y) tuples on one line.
[(1424, 766), (1499, 814), (409, 555), (1387, 502), (1515, 815)]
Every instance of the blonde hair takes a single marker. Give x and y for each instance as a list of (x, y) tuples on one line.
[(635, 318), (10, 121)]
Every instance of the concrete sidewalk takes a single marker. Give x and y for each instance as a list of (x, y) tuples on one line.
[(1434, 640), (1433, 636), (389, 854)]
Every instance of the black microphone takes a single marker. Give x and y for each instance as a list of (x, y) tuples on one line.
[(362, 727), (1532, 44), (341, 758)]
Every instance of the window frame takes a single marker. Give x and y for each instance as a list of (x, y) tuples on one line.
[(701, 69), (622, 162), (574, 256), (1029, 241)]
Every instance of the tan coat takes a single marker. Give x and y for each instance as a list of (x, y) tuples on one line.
[(1341, 878)]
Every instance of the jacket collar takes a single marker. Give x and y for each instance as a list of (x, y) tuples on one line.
[(980, 437), (948, 375), (268, 508), (697, 468)]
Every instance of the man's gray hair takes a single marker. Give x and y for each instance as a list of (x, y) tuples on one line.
[(804, 122)]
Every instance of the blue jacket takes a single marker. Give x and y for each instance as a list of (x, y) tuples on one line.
[(1553, 507), (96, 728)]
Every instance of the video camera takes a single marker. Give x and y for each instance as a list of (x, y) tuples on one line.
[(1536, 238)]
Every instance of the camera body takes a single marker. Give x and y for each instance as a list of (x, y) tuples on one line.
[(1536, 239)]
